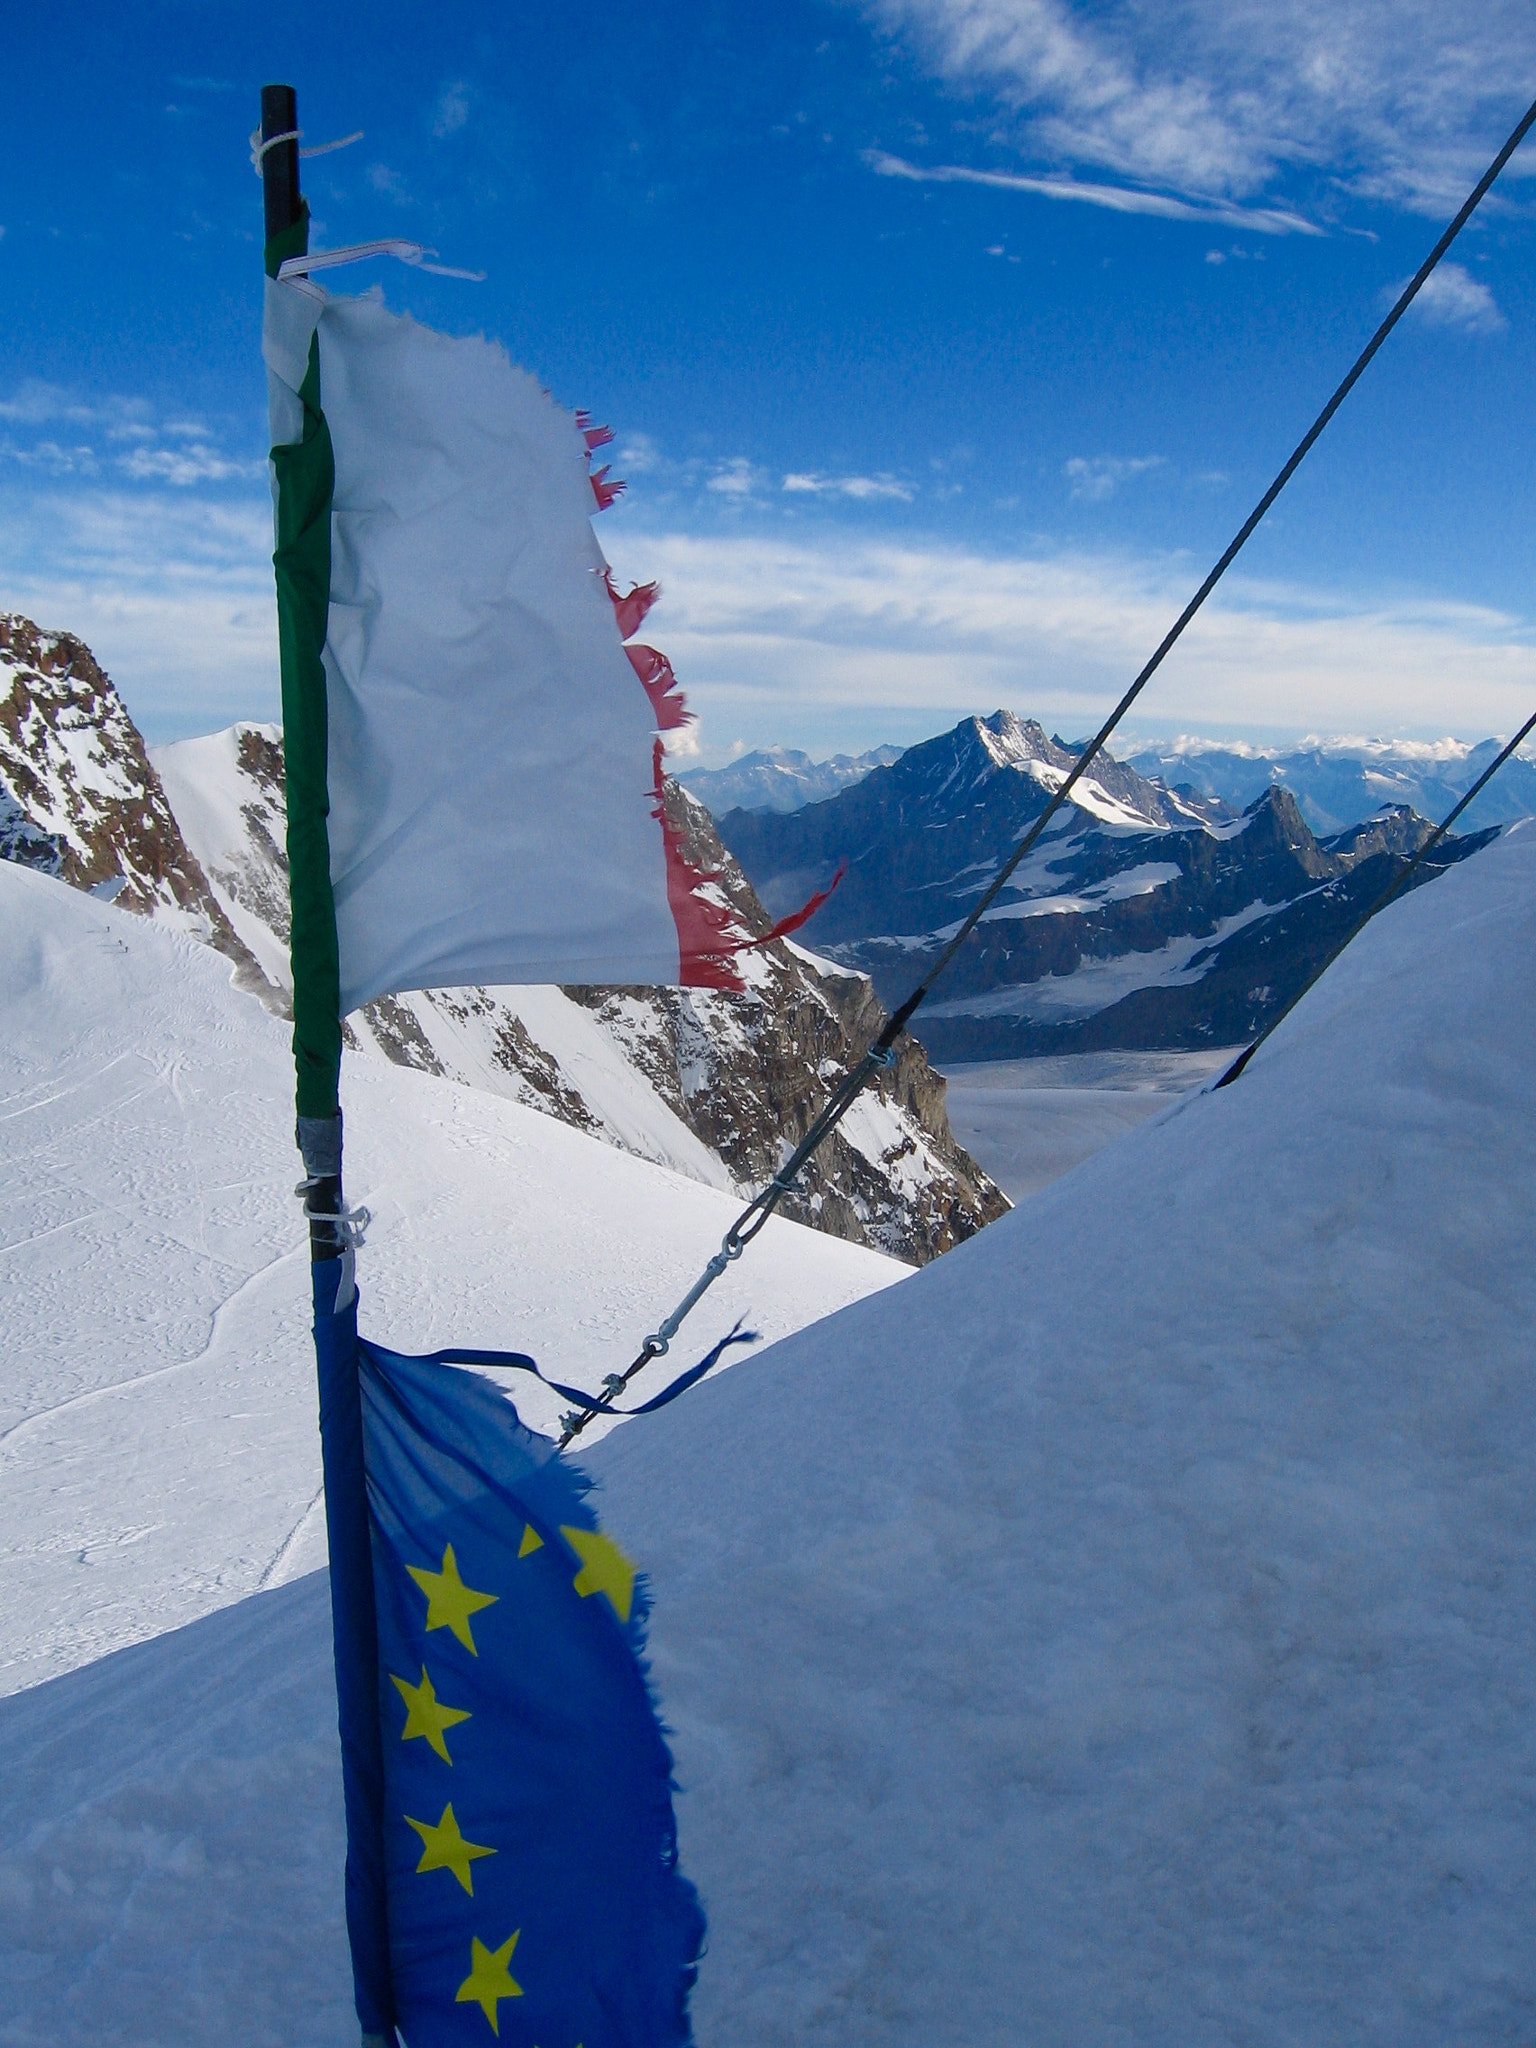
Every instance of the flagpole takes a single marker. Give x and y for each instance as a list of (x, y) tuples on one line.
[(305, 476), (303, 570)]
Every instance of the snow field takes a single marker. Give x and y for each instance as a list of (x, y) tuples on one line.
[(1118, 1635), (158, 1447), (1121, 1635)]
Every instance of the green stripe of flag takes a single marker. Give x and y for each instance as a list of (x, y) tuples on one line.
[(306, 478)]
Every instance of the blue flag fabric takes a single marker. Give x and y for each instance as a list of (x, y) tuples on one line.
[(529, 1852)]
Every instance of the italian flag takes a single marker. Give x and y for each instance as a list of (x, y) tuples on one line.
[(474, 752)]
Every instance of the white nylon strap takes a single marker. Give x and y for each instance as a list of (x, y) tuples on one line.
[(407, 252), (259, 147)]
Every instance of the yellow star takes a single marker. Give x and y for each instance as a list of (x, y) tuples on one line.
[(426, 1715), (450, 1602), (444, 1848), (489, 1978), (531, 1542), (604, 1568)]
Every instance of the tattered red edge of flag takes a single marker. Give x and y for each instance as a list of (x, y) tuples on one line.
[(710, 937)]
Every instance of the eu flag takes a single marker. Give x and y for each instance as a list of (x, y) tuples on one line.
[(512, 1801)]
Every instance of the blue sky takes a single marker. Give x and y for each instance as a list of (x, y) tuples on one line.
[(946, 340)]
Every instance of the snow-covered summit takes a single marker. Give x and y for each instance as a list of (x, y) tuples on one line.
[(780, 778)]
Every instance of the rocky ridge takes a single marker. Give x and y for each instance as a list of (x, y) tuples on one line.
[(79, 797), (717, 1086), (727, 1081), (1146, 918)]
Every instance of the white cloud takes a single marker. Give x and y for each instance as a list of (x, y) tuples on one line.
[(837, 640), (36, 403), (135, 444), (1452, 297), (637, 455), (52, 457), (1117, 198), (452, 109), (860, 488), (737, 478), (1093, 478), (790, 640), (1401, 100), (388, 183), (184, 466), (173, 594)]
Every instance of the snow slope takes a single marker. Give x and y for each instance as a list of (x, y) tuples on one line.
[(158, 1452), (1137, 1647), (1117, 1636), (707, 1082)]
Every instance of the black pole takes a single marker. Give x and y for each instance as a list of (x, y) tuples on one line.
[(280, 163), (353, 1617), (283, 208)]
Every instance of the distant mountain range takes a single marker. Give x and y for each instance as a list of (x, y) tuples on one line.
[(780, 779), (1336, 782), (1149, 915)]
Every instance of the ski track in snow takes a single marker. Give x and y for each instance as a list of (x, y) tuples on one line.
[(158, 1447)]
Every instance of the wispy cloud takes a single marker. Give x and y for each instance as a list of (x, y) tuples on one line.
[(125, 438), (1395, 100), (35, 403), (172, 591), (389, 184), (1093, 478), (737, 478), (1452, 297), (1117, 198), (779, 637), (452, 110), (196, 463), (52, 457), (860, 488)]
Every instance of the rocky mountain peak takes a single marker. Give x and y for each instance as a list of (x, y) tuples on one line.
[(78, 794), (1013, 742)]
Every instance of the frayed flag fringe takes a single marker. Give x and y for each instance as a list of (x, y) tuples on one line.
[(602, 490), (630, 607), (709, 936), (660, 685), (796, 918)]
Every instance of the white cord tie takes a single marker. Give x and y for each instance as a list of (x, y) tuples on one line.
[(350, 1221), (259, 147), (414, 253)]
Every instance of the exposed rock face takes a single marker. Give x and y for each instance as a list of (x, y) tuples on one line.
[(749, 1073), (79, 797), (81, 791), (1145, 918), (719, 1086)]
